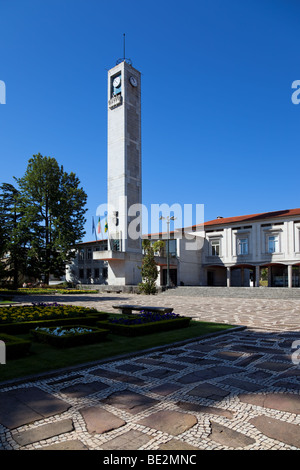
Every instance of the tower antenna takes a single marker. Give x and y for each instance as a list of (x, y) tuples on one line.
[(124, 59), (124, 46)]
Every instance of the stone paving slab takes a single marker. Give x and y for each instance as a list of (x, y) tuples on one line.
[(131, 440), (209, 391), (129, 401), (175, 444), (25, 405), (66, 445), (84, 389), (278, 401), (209, 373), (165, 389), (229, 437), (188, 406), (43, 432), (99, 420), (171, 422), (283, 432)]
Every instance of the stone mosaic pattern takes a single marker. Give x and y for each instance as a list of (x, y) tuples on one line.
[(227, 398), (239, 390)]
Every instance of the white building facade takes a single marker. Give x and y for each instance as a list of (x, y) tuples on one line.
[(243, 251), (238, 251)]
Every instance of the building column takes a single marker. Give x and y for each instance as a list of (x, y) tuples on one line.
[(257, 276), (269, 276), (228, 269), (242, 277), (290, 276)]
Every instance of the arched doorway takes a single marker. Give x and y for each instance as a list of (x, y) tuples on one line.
[(242, 275), (282, 275)]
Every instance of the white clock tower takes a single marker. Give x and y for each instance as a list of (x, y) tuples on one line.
[(124, 181)]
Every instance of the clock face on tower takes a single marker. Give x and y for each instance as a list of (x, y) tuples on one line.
[(133, 81), (116, 85), (117, 82)]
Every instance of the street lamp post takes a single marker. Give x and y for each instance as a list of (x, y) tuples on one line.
[(168, 219)]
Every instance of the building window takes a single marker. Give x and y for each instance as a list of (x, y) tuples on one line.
[(89, 254), (242, 246), (173, 248), (215, 247), (88, 273), (96, 273), (115, 244), (273, 244), (81, 255), (104, 273), (81, 273)]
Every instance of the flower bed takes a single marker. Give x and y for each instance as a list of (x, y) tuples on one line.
[(51, 290), (20, 319), (25, 327), (73, 335), (15, 347), (48, 290), (41, 311), (144, 323), (143, 317)]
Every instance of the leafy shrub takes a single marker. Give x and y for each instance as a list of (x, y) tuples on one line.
[(149, 270)]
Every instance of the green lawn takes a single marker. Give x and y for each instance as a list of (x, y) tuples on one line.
[(44, 358)]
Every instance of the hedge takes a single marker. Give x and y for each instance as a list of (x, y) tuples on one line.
[(146, 328), (15, 347), (67, 341)]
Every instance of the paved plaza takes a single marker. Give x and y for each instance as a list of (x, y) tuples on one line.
[(238, 390)]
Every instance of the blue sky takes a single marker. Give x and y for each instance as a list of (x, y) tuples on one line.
[(218, 124)]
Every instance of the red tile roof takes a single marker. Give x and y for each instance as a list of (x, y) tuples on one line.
[(254, 217), (243, 219)]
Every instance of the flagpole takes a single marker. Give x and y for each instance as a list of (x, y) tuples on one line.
[(94, 228)]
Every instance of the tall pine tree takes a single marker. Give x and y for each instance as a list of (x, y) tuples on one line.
[(53, 208)]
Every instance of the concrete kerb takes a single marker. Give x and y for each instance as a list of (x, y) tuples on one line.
[(143, 352)]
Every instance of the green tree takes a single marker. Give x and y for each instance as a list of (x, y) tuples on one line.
[(53, 214), (149, 269), (13, 239)]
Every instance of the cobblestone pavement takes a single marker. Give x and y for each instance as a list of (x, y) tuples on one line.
[(239, 390)]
